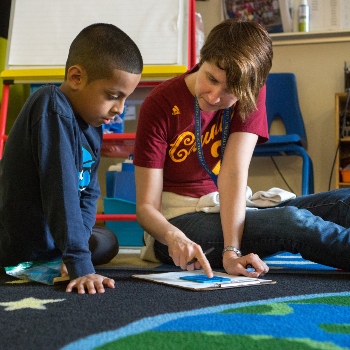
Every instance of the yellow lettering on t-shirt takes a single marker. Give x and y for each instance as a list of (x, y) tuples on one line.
[(216, 168), (182, 147), (176, 110), (185, 144)]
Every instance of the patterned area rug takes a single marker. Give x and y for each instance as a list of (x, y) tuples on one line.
[(300, 311), (147, 316), (319, 321)]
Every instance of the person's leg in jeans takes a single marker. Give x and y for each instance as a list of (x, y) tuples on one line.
[(295, 230), (204, 229), (287, 228), (103, 245), (332, 206)]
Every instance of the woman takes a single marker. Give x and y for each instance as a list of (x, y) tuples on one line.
[(195, 139)]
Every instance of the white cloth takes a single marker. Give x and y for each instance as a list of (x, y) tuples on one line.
[(270, 198), (210, 203), (175, 205)]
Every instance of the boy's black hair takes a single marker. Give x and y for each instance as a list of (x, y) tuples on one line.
[(100, 48)]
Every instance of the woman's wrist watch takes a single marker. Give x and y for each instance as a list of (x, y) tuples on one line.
[(232, 249)]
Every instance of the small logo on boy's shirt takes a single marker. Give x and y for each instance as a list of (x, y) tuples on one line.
[(84, 175), (176, 110)]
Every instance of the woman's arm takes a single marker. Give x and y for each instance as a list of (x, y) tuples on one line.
[(149, 186), (232, 184)]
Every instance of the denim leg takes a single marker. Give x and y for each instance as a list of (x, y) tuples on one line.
[(332, 206), (316, 226), (204, 229), (268, 231)]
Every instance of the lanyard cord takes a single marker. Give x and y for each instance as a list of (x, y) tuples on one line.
[(224, 136)]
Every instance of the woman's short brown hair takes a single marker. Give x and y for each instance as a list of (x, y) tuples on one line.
[(244, 50)]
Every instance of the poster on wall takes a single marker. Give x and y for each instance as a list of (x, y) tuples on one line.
[(274, 15)]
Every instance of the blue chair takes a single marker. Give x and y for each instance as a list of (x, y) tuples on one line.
[(282, 103)]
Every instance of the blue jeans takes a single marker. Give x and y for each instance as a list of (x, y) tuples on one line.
[(317, 226)]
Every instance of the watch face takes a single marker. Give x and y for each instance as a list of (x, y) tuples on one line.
[(238, 252)]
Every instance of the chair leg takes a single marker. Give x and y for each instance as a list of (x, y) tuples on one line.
[(307, 181), (308, 178)]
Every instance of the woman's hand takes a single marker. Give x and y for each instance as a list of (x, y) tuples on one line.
[(234, 265), (182, 250)]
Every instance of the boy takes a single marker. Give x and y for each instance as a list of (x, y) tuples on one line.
[(48, 174)]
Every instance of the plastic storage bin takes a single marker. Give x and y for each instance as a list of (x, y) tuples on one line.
[(129, 233), (121, 184)]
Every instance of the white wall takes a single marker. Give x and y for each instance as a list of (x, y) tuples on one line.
[(320, 74)]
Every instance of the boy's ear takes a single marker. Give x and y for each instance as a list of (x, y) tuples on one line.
[(76, 76)]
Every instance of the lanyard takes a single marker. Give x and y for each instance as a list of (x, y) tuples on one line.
[(224, 136)]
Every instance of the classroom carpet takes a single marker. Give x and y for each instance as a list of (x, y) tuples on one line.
[(299, 311)]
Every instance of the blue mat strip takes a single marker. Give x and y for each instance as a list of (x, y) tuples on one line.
[(286, 262)]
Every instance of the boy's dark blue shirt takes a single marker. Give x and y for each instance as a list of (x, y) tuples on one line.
[(49, 184)]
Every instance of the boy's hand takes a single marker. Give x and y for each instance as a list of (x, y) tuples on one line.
[(93, 283), (63, 270)]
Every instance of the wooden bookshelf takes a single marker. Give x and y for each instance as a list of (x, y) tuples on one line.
[(342, 139)]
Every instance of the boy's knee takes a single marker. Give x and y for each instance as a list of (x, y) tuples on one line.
[(103, 245)]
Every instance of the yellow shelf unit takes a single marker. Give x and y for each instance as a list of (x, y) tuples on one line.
[(45, 75)]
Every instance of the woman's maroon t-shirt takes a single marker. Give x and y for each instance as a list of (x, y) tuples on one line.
[(165, 137)]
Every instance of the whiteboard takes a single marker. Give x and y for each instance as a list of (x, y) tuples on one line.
[(41, 31)]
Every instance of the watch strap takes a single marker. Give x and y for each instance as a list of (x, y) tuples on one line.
[(232, 249)]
